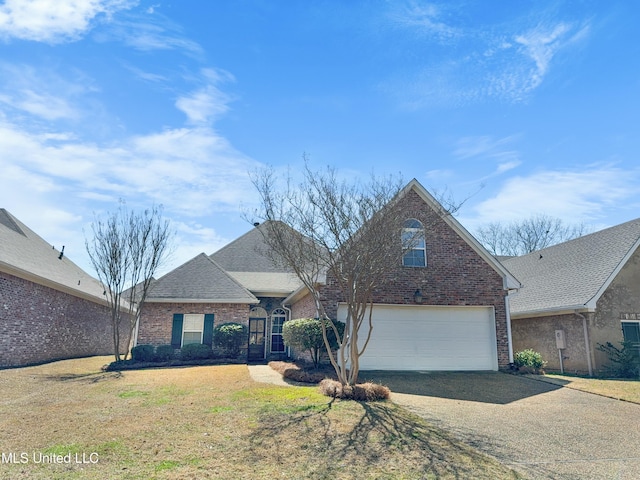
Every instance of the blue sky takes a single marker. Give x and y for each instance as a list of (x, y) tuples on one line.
[(522, 107)]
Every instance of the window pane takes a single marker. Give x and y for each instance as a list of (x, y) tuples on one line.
[(277, 345), (631, 332), (414, 258), (191, 337), (193, 322)]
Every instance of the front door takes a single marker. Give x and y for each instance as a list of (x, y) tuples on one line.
[(256, 339)]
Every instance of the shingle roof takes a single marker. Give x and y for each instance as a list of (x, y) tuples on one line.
[(248, 253), (247, 260), (572, 275), (25, 254), (199, 280)]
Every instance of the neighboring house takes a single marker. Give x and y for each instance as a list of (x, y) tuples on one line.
[(49, 308), (576, 295), (443, 308)]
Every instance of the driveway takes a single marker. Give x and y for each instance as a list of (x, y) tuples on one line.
[(543, 430)]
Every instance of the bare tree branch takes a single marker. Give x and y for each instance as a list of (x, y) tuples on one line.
[(126, 250)]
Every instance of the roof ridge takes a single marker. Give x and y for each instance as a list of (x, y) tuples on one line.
[(9, 221)]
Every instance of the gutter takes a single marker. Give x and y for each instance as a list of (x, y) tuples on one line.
[(586, 341)]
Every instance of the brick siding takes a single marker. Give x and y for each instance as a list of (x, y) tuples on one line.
[(455, 275), (39, 324), (157, 318)]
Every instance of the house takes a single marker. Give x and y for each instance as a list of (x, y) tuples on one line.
[(239, 283), (576, 295), (49, 307), (443, 308)]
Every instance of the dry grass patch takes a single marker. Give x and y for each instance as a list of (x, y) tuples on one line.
[(213, 422), (628, 390)]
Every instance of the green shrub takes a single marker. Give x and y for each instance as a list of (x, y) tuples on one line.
[(196, 351), (163, 353), (142, 353), (529, 359), (306, 334), (230, 337), (625, 360)]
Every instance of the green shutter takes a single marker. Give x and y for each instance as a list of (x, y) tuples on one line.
[(207, 334), (176, 330)]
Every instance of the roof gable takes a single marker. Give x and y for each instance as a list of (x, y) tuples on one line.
[(199, 280), (574, 274), (27, 255), (509, 280)]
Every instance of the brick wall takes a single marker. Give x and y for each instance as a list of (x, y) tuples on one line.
[(304, 308), (39, 324), (157, 318), (455, 275)]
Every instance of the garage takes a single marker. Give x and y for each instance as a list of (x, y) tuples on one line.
[(416, 337)]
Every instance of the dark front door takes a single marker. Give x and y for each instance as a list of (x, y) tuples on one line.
[(256, 339)]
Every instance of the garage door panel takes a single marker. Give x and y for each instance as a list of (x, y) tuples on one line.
[(407, 337)]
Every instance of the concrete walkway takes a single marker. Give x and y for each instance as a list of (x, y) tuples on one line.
[(545, 431)]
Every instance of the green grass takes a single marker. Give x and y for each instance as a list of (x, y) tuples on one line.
[(627, 390), (215, 422)]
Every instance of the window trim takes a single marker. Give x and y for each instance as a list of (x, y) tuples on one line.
[(185, 330), (277, 313), (417, 232)]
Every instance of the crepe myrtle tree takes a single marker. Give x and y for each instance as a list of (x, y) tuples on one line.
[(347, 231), (126, 250)]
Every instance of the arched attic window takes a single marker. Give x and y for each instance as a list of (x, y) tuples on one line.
[(413, 244)]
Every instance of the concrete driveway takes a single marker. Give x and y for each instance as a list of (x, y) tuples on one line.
[(539, 429)]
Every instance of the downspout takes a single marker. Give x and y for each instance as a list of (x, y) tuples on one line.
[(509, 339), (587, 349), (289, 318)]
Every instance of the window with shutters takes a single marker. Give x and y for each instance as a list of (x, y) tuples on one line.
[(192, 328)]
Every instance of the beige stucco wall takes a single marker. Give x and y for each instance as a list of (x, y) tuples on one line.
[(621, 297)]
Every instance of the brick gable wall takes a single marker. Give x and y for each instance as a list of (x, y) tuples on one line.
[(455, 275), (39, 324)]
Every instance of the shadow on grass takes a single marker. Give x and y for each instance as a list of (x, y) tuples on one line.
[(366, 438), (93, 377), (487, 387)]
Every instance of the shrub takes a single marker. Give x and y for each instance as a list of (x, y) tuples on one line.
[(529, 359), (625, 360), (306, 334), (297, 373), (196, 351), (142, 353), (363, 392), (163, 353), (230, 337)]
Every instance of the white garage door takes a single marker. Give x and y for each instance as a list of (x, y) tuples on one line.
[(413, 337)]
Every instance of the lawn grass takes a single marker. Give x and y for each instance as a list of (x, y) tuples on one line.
[(212, 422), (627, 390)]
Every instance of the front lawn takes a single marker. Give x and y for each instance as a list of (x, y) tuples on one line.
[(628, 390), (69, 420)]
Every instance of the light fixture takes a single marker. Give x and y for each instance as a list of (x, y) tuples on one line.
[(417, 296)]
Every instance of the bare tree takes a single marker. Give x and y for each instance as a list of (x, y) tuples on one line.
[(336, 235), (126, 250), (526, 236)]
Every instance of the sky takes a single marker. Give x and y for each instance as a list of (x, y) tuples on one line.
[(518, 108)]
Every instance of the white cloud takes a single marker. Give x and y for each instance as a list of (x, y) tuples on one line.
[(53, 21), (426, 19), (580, 195), (41, 92)]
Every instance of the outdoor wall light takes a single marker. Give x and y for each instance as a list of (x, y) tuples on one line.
[(417, 296)]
